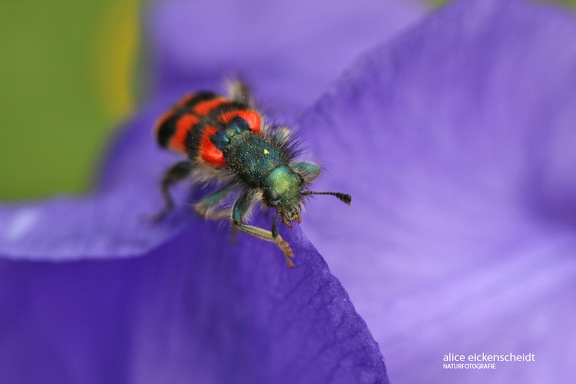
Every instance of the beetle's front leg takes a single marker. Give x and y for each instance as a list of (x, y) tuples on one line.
[(309, 171), (175, 174), (206, 206), (242, 206)]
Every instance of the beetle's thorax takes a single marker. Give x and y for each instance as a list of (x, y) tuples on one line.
[(251, 157)]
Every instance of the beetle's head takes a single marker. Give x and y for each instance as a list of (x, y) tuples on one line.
[(284, 190)]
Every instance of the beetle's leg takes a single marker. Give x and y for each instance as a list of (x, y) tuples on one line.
[(309, 171), (242, 206), (175, 174), (205, 207), (239, 92)]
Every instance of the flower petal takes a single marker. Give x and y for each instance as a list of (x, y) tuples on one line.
[(197, 308), (456, 141)]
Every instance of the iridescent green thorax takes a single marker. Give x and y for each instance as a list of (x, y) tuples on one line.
[(252, 158)]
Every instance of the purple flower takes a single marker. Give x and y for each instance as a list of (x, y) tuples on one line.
[(455, 140), (91, 293), (458, 142)]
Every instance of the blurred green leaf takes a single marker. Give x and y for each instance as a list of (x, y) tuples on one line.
[(54, 88)]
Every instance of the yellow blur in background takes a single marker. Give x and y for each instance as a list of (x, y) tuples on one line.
[(66, 80)]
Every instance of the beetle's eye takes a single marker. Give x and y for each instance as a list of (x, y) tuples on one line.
[(300, 180), (271, 195)]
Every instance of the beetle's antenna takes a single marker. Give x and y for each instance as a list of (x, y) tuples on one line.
[(343, 197)]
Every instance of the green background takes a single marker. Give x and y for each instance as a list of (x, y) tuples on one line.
[(66, 81), (66, 72)]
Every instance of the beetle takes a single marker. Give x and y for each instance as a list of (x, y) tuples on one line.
[(225, 139)]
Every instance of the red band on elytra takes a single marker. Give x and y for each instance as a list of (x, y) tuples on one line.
[(208, 151), (252, 118), (183, 127), (205, 107)]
